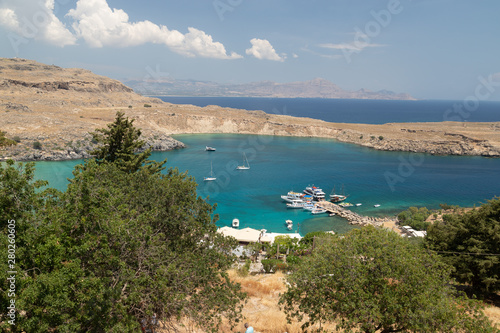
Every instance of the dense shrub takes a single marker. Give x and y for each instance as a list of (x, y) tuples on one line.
[(37, 145), (272, 265), (415, 218)]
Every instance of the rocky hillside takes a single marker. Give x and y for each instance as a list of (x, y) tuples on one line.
[(49, 111)]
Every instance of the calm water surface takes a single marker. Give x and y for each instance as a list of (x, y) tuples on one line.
[(394, 180)]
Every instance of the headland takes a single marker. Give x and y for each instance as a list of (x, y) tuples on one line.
[(58, 107)]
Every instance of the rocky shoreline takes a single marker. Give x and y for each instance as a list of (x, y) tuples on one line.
[(50, 111), (72, 150)]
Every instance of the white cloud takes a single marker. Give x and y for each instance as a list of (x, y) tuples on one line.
[(8, 19), (262, 49), (99, 26), (35, 19)]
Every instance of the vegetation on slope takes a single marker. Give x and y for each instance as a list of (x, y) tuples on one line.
[(119, 247)]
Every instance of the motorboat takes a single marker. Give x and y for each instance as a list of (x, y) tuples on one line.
[(345, 204), (308, 206), (358, 204), (211, 178), (207, 148), (377, 205), (318, 210), (235, 223), (315, 192), (292, 196), (297, 203), (289, 224), (244, 166)]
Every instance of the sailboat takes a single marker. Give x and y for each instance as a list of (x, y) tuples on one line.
[(244, 166), (207, 179), (337, 197)]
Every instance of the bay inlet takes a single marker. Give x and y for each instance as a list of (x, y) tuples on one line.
[(394, 180)]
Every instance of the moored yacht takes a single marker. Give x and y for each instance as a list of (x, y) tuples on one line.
[(244, 166), (334, 197), (292, 196), (315, 192), (308, 206), (318, 210), (296, 203)]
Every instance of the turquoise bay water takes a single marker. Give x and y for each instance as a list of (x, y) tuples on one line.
[(395, 180)]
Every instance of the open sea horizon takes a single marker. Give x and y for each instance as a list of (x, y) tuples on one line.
[(394, 180)]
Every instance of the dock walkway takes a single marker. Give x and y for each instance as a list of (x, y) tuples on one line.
[(352, 217)]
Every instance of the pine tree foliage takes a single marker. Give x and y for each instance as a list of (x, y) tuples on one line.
[(470, 238), (119, 143)]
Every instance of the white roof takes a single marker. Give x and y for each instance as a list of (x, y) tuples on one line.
[(248, 235), (419, 233)]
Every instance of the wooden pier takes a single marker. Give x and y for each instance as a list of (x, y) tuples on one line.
[(352, 217)]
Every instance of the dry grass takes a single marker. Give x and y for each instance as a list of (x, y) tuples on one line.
[(263, 313), (262, 310), (493, 312)]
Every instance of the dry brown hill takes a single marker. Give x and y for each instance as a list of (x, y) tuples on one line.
[(58, 107)]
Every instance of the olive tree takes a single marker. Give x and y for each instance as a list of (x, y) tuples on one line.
[(373, 280)]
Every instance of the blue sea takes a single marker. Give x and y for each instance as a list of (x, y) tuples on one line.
[(394, 180), (358, 110)]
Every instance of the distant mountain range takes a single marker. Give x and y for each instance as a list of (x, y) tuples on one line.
[(316, 88)]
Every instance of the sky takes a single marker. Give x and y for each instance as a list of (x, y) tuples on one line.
[(431, 49)]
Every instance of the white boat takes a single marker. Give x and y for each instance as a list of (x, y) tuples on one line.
[(308, 206), (244, 166), (207, 148), (289, 224), (211, 178), (377, 205), (315, 192), (332, 214), (235, 223), (297, 203), (318, 210), (358, 204), (290, 196)]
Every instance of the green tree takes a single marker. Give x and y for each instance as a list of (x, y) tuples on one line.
[(119, 144), (284, 243), (123, 244), (20, 199), (118, 247), (372, 280), (310, 238), (474, 239), (415, 218)]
